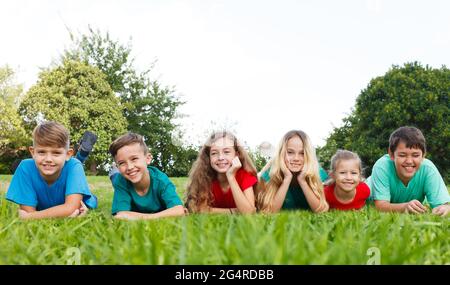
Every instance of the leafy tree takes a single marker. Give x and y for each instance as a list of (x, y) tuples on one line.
[(78, 96), (10, 92), (410, 95), (149, 108), (12, 133)]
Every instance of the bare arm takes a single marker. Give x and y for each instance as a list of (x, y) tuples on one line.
[(71, 204), (171, 212), (280, 196), (413, 206), (245, 200), (311, 198)]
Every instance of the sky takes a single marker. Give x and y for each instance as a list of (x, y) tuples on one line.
[(259, 68)]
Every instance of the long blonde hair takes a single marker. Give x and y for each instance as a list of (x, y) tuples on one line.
[(310, 166), (199, 195)]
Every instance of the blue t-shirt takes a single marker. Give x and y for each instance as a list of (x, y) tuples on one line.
[(29, 188), (161, 194)]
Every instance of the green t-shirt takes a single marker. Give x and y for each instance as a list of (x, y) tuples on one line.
[(295, 198), (160, 196), (426, 183)]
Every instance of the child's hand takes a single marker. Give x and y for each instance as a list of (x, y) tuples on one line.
[(415, 207), (286, 172), (442, 210), (80, 212), (83, 210), (235, 165), (24, 214)]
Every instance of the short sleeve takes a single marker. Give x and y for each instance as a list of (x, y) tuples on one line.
[(247, 180), (323, 174), (169, 194), (20, 190), (435, 190), (122, 198), (365, 190), (380, 182), (77, 183)]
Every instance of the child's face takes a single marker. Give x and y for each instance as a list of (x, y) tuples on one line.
[(221, 154), (132, 162), (50, 160), (407, 161), (347, 175), (295, 156)]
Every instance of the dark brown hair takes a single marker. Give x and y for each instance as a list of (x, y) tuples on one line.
[(127, 139), (51, 134), (411, 136)]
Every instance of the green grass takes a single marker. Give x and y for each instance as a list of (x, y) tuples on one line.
[(287, 238)]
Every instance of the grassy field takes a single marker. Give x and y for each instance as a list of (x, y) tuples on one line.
[(287, 238)]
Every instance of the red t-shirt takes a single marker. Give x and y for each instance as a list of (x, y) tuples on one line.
[(362, 193), (225, 199)]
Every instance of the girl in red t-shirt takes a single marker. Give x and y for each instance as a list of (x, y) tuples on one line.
[(221, 180), (345, 190)]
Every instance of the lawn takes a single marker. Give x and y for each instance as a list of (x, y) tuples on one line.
[(287, 238)]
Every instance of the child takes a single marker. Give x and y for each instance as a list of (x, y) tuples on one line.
[(293, 182), (141, 191), (52, 184), (402, 179), (346, 191), (222, 178)]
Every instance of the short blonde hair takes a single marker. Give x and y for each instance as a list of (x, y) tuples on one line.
[(51, 134)]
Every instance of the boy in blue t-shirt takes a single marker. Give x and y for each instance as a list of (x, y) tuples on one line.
[(52, 184), (140, 191)]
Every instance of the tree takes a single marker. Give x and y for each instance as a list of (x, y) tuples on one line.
[(12, 133), (410, 95), (10, 92), (149, 108), (78, 96)]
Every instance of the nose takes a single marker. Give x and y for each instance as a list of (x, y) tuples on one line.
[(409, 160), (48, 157), (130, 165)]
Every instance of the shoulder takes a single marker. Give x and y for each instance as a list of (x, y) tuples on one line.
[(428, 165), (157, 174), (73, 163), (383, 165), (27, 164), (363, 188), (328, 189)]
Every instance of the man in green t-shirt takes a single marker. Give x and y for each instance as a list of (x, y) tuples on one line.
[(402, 179)]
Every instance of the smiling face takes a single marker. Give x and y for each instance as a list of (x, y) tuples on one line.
[(347, 175), (50, 160), (132, 162), (295, 155), (221, 154), (407, 161)]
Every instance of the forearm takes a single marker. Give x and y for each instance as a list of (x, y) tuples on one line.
[(312, 199), (385, 206), (59, 211), (222, 210), (171, 212), (243, 205), (280, 196)]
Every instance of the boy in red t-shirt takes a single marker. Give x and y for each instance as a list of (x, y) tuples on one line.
[(222, 178), (346, 192)]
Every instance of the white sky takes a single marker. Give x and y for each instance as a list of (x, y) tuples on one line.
[(263, 67)]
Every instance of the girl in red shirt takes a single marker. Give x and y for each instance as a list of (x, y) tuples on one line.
[(346, 191), (221, 180)]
